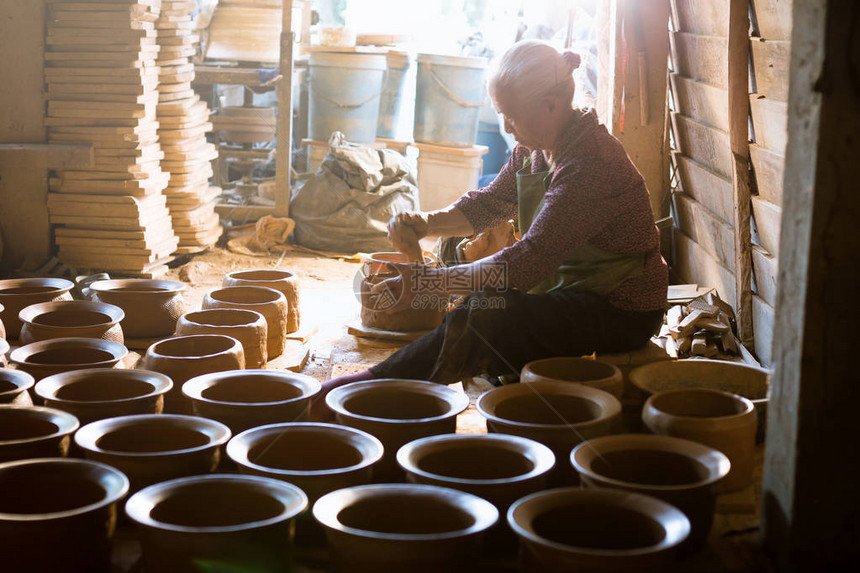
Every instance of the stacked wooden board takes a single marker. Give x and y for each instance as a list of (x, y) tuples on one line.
[(102, 79), (183, 122), (245, 31)]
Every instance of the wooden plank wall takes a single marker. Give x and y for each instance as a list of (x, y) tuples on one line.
[(705, 247)]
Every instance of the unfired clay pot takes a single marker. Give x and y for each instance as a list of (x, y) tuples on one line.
[(495, 467), (152, 448), (151, 307), (680, 472), (596, 531), (71, 318), (2, 326), (17, 294), (4, 349), (246, 326), (47, 357), (240, 523), (394, 528), (397, 412), (15, 386), (272, 304), (428, 314), (95, 393), (280, 280), (58, 514), (559, 415), (244, 399), (184, 357), (591, 373), (34, 432), (723, 421), (745, 380)]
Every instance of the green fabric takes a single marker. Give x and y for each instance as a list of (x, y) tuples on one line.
[(586, 268)]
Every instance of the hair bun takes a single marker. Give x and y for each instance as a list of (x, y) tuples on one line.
[(572, 58)]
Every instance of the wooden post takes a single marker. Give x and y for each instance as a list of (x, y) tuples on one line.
[(738, 74), (285, 114), (811, 502)]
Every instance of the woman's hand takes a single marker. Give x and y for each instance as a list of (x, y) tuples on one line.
[(404, 231), (394, 294)]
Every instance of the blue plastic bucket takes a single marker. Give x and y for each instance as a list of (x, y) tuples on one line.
[(391, 102), (345, 89), (448, 99)]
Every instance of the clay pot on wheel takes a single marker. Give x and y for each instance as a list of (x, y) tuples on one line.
[(72, 318), (559, 415), (591, 373), (184, 357), (47, 357), (17, 294), (242, 523), (745, 380), (153, 448), (723, 421), (246, 326), (596, 531), (272, 304), (680, 472), (58, 514), (15, 386), (244, 399), (94, 393), (394, 528), (34, 432), (151, 307), (428, 310), (397, 412), (280, 280)]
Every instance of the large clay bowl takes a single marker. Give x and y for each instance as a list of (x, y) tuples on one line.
[(151, 307), (17, 294), (272, 304), (152, 448), (240, 523), (751, 382), (680, 472), (184, 357), (592, 373), (397, 412), (71, 318), (280, 280), (723, 421), (319, 458), (96, 393), (596, 531), (58, 514), (34, 432), (15, 386), (394, 528), (559, 415), (48, 357), (245, 399), (246, 326)]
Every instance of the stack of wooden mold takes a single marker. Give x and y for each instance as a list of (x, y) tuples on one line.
[(102, 83), (701, 327), (183, 122)]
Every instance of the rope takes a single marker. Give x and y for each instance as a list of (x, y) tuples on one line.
[(449, 93)]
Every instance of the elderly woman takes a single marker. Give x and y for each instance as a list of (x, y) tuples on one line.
[(587, 274)]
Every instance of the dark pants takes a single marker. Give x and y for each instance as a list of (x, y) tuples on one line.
[(496, 334)]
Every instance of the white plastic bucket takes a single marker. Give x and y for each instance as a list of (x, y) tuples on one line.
[(391, 104), (445, 174)]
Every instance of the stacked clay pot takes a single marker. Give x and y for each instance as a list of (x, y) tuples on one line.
[(17, 294), (272, 304), (73, 318), (428, 314), (2, 326), (47, 357), (280, 280), (246, 326), (15, 386), (151, 307), (591, 373), (34, 432), (4, 349), (184, 357)]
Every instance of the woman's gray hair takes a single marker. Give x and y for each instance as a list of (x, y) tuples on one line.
[(533, 69)]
